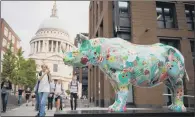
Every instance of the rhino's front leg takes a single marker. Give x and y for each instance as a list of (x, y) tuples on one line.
[(121, 88), (121, 99)]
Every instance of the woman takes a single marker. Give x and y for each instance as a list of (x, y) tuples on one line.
[(58, 92), (6, 87), (27, 93), (43, 88)]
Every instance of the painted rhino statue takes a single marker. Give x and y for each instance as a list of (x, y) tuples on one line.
[(130, 64)]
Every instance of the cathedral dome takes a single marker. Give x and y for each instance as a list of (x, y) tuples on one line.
[(53, 23)]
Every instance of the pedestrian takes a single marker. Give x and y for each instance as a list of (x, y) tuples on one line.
[(6, 87), (33, 98), (36, 95), (43, 88), (51, 97), (20, 93), (27, 93), (73, 86), (59, 91)]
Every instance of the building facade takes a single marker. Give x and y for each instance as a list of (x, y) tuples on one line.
[(46, 47), (8, 36), (142, 22)]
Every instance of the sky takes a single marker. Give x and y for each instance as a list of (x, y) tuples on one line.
[(25, 17)]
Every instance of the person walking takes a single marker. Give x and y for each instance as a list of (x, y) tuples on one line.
[(51, 97), (73, 86), (43, 89), (6, 87), (58, 90), (27, 93), (20, 92)]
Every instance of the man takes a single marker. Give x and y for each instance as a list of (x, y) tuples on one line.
[(6, 87), (43, 88), (73, 86), (20, 92)]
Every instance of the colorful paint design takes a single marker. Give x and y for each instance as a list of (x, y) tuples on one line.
[(140, 65)]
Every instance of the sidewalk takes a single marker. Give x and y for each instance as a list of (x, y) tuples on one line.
[(24, 110)]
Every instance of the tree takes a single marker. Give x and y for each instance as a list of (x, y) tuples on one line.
[(30, 73), (8, 64)]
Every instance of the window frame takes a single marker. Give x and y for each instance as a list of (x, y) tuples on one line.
[(172, 13), (55, 67), (190, 8), (7, 32), (5, 44)]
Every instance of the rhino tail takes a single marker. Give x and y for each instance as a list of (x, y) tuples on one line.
[(186, 75)]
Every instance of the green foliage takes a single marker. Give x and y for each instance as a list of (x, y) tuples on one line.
[(8, 64), (18, 70)]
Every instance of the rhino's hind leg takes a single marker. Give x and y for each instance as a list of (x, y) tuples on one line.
[(170, 87), (177, 96), (120, 103)]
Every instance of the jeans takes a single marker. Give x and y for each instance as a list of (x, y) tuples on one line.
[(37, 102), (19, 99), (4, 98), (73, 95), (42, 102)]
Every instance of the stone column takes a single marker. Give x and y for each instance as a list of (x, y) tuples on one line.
[(57, 46), (52, 46), (60, 46), (39, 46), (35, 46), (47, 46)]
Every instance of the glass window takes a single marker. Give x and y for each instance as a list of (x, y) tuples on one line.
[(166, 15), (189, 11), (123, 6), (192, 50), (4, 42), (55, 68), (5, 32), (10, 36), (18, 44), (13, 39)]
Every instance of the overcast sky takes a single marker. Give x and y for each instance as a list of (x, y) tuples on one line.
[(25, 17)]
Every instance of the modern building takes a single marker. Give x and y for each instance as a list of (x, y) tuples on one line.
[(8, 35), (45, 47), (142, 22), (82, 73)]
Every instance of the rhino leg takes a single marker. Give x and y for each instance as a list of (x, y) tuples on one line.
[(177, 95), (120, 102)]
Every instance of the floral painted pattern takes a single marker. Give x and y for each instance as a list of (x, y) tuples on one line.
[(130, 64)]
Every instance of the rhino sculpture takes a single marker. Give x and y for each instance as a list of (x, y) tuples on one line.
[(126, 63)]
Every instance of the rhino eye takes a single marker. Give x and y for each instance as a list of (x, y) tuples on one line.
[(94, 52)]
